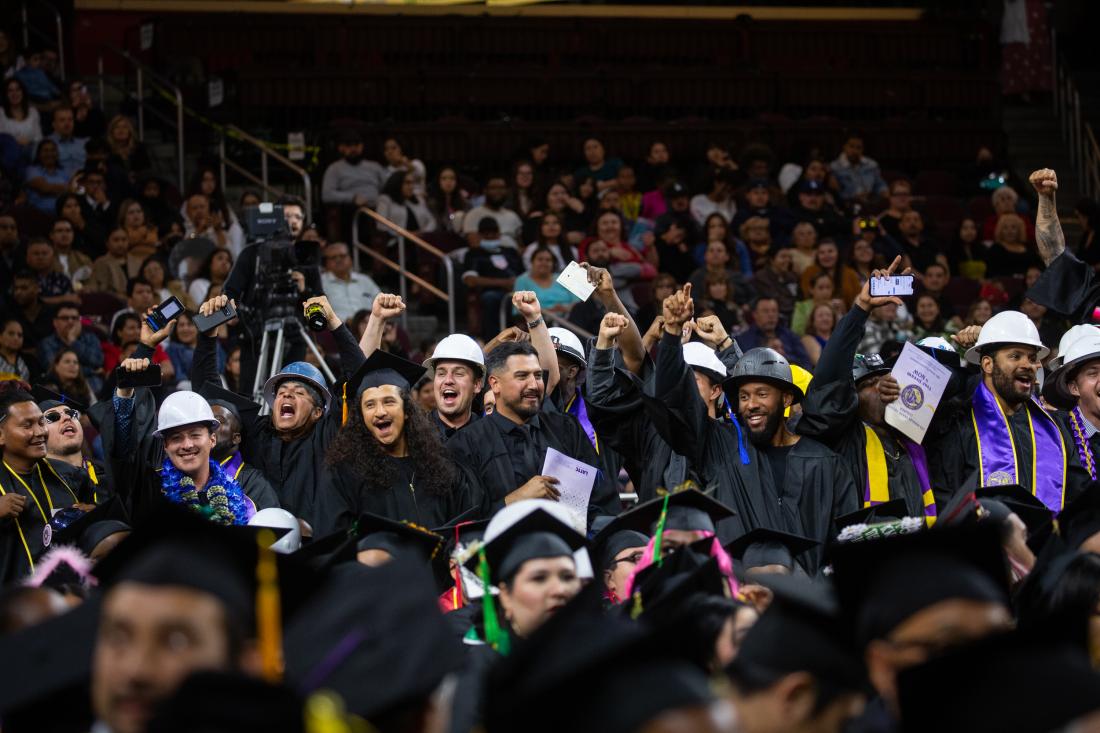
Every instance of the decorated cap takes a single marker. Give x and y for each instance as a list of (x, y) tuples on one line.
[(538, 534), (763, 547), (397, 537)]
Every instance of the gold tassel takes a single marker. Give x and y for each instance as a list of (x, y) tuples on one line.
[(268, 623)]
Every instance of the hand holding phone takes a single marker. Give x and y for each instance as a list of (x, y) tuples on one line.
[(160, 316), (133, 373), (893, 285), (213, 313)]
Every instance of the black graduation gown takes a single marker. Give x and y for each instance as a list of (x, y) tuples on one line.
[(23, 534), (610, 461), (345, 496), (481, 448), (1068, 287), (816, 488), (830, 414), (136, 462), (103, 483), (445, 430), (257, 488)]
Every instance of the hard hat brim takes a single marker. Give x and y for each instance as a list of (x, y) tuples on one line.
[(732, 384), (272, 385), (431, 361), (212, 424), (974, 353), (1056, 389)]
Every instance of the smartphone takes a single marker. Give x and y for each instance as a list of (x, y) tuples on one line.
[(147, 378), (896, 285), (164, 313), (206, 324)]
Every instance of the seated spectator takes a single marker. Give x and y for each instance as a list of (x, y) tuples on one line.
[(109, 272), (821, 293), (203, 220), (492, 267), (127, 152), (570, 210), (181, 350), (96, 206), (846, 284), (717, 199), (813, 208), (884, 248), (626, 265), (655, 168), (54, 286), (351, 179), (541, 278), (755, 161), (523, 197), (70, 149), (757, 236), (155, 272), (88, 119), (630, 200), (929, 320), (777, 280), (36, 78), (211, 276), (598, 166), (139, 298), (206, 182), (715, 299), (393, 155), (9, 247), (34, 315), (716, 262), (69, 333), (1005, 201), (125, 334), (74, 263), (717, 229), (88, 236), (664, 285), (348, 291), (152, 192), (934, 283), (804, 239), (900, 202), (447, 201), (46, 179), (919, 250), (1010, 255), (859, 176), (758, 203), (968, 253), (816, 169), (14, 363), (980, 311), (819, 327), (884, 333), (19, 118), (508, 222), (552, 237), (142, 234), (766, 330), (10, 60), (65, 375), (231, 376), (677, 233), (400, 204), (863, 260)]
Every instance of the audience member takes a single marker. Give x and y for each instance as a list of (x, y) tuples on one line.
[(404, 207), (54, 286), (767, 331), (716, 262), (491, 266), (88, 119), (142, 234), (757, 194), (919, 250), (46, 179), (717, 199), (846, 284), (819, 327), (127, 151), (813, 208), (655, 168), (69, 333), (598, 166), (777, 280), (552, 236), (541, 279), (33, 314), (76, 265), (859, 176), (626, 265), (201, 219), (155, 272), (820, 293), (19, 118), (211, 276), (523, 197), (66, 375), (900, 203), (14, 362), (1005, 201), (88, 236), (508, 222), (1009, 255), (447, 201), (109, 272), (352, 179), (393, 155), (968, 253), (70, 148), (348, 291), (928, 320), (804, 239)]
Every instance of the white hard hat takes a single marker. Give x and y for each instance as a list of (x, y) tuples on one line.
[(1086, 348), (567, 342), (701, 356), (459, 347), (184, 408), (1007, 327), (940, 344), (276, 518), (1074, 333)]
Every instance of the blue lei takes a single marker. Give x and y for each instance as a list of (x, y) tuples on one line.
[(223, 500)]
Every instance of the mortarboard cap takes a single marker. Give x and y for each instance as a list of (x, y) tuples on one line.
[(689, 509), (373, 635), (1009, 683), (884, 512), (801, 631), (47, 398), (882, 582), (323, 553), (538, 534), (612, 538), (381, 533), (383, 368), (661, 590), (72, 534), (764, 546), (1079, 520), (1028, 507), (228, 702)]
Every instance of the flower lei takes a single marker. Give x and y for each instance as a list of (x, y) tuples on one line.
[(222, 501), (1084, 450)]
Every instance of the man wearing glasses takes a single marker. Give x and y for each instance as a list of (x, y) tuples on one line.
[(65, 444), (69, 333), (348, 291)]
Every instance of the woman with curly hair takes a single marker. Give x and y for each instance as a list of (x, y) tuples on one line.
[(388, 459)]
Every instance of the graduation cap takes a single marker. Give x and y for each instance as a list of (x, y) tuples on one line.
[(1009, 683), (459, 536), (1079, 520), (660, 590), (763, 546), (47, 398), (383, 368), (688, 510), (883, 582), (245, 409), (1028, 507), (612, 538), (801, 631), (49, 664), (374, 636), (381, 533), (538, 534), (323, 553), (885, 512), (605, 673), (110, 514), (228, 702)]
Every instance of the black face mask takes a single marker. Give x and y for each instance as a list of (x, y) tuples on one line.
[(354, 159)]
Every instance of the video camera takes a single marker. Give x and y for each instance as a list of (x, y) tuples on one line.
[(272, 290)]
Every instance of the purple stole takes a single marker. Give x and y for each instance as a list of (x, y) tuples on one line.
[(997, 462), (579, 410), (233, 465)]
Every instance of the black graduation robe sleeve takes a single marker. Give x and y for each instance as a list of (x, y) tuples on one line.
[(674, 385), (258, 489), (1068, 287), (835, 362), (204, 362)]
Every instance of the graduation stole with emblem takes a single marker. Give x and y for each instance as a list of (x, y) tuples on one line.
[(579, 410), (997, 462), (877, 488)]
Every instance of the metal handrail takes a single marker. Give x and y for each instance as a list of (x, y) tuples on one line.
[(266, 151), (400, 266), (58, 26), (141, 71), (1092, 163)]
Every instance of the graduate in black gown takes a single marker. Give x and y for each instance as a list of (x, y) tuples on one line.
[(30, 488), (233, 412), (65, 443), (1074, 388), (388, 459)]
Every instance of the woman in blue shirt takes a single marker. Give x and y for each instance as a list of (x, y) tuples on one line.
[(46, 179), (541, 279)]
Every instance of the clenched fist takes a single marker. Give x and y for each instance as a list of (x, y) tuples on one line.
[(1045, 181)]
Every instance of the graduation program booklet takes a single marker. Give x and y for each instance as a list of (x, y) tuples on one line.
[(574, 278), (575, 482), (922, 381)]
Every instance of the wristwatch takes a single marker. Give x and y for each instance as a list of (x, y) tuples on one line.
[(535, 323)]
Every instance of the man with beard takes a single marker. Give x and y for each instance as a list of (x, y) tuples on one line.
[(457, 369), (352, 180), (65, 444), (288, 446), (1002, 435), (30, 488), (233, 412), (843, 409), (388, 460), (769, 476), (508, 222)]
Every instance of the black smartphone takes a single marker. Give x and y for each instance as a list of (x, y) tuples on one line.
[(164, 313), (206, 324), (146, 378)]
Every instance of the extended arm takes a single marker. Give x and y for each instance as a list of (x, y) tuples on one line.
[(1048, 230), (527, 303), (629, 339)]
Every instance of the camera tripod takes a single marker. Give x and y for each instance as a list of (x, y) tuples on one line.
[(265, 371)]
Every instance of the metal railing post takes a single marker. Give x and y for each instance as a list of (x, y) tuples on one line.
[(141, 102), (355, 241), (26, 27), (449, 268), (179, 136), (221, 159), (263, 171), (404, 285), (60, 41), (102, 88), (307, 195), (1077, 152)]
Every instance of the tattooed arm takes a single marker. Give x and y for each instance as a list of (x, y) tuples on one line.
[(1048, 231)]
